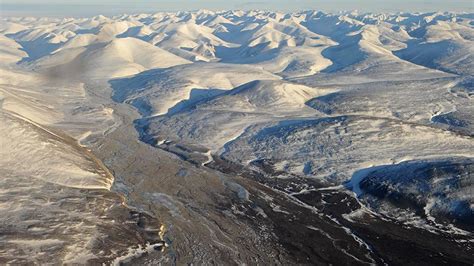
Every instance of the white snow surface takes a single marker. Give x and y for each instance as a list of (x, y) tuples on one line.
[(315, 94)]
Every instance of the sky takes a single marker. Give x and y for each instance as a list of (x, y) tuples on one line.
[(115, 7)]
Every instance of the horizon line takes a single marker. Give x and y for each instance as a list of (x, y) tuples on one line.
[(144, 10)]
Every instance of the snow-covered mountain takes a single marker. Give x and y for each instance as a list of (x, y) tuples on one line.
[(193, 136)]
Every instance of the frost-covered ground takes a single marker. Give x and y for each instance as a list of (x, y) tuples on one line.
[(310, 104)]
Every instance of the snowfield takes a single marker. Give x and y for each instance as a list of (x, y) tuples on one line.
[(374, 111)]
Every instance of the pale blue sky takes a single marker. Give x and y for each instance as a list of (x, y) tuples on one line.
[(111, 7)]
